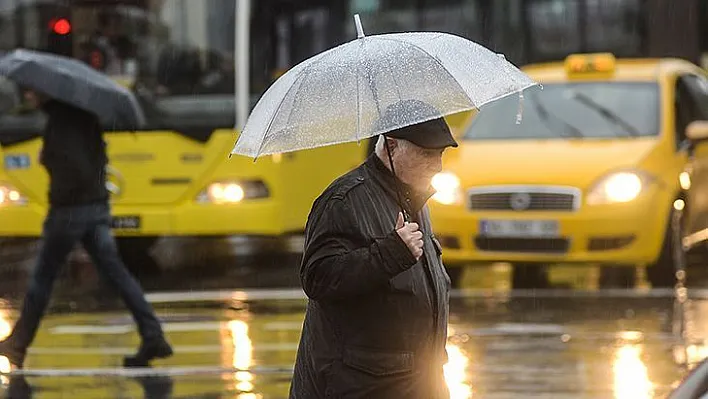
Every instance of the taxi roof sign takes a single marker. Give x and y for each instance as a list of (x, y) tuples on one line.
[(603, 63)]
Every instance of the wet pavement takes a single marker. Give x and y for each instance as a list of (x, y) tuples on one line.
[(241, 343)]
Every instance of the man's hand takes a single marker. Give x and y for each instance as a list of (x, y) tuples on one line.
[(410, 235)]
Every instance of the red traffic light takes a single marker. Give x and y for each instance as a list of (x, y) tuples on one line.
[(60, 26)]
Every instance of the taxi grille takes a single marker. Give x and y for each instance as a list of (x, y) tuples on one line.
[(523, 245), (529, 201)]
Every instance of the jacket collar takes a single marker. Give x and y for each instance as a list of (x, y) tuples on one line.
[(413, 200)]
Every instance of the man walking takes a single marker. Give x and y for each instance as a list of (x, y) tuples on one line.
[(376, 322), (74, 155)]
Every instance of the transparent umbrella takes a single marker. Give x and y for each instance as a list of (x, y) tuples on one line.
[(339, 95)]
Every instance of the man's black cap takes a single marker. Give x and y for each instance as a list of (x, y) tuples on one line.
[(432, 134)]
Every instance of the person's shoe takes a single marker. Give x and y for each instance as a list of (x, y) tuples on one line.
[(19, 388), (157, 387), (15, 356), (149, 350)]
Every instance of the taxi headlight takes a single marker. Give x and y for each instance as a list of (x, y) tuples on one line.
[(618, 187), (231, 192), (447, 187), (9, 195)]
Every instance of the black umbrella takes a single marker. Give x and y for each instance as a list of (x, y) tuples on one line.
[(75, 83)]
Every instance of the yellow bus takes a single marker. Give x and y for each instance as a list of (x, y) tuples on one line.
[(175, 177)]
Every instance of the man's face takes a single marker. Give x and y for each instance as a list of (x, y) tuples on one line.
[(415, 165), (33, 99)]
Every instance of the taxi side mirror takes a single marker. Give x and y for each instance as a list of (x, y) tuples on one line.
[(697, 131)]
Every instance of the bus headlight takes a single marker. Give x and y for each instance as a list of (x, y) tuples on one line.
[(447, 188), (231, 192), (617, 187), (11, 196)]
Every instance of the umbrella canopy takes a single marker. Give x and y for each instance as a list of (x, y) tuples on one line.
[(340, 95), (75, 83)]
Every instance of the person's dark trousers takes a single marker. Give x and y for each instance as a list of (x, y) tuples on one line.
[(63, 228)]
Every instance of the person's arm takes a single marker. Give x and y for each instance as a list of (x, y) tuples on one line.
[(335, 267)]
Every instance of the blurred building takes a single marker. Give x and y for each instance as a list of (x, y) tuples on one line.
[(195, 37), (525, 30)]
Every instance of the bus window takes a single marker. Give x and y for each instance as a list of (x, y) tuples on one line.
[(19, 119), (559, 27), (7, 27), (390, 17), (166, 51), (459, 17), (554, 26), (9, 97), (614, 25), (508, 30)]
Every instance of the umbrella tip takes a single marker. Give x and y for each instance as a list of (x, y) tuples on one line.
[(359, 29)]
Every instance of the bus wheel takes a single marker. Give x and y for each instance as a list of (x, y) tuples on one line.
[(672, 259), (135, 253), (529, 275)]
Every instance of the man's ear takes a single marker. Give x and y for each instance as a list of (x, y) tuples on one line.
[(392, 144)]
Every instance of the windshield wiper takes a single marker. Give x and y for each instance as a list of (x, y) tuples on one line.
[(544, 114), (605, 112)]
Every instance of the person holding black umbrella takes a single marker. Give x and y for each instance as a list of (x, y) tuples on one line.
[(74, 155)]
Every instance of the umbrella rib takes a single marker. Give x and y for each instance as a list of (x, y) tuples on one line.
[(300, 77), (437, 61), (272, 119), (374, 92)]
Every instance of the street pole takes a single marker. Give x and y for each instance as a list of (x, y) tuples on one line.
[(242, 30)]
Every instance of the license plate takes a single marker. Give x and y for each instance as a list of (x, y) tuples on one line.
[(17, 161), (519, 228), (126, 222)]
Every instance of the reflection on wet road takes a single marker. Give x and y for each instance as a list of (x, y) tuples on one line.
[(555, 344), (560, 343)]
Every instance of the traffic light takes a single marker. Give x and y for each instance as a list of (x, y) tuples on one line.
[(60, 26), (59, 36)]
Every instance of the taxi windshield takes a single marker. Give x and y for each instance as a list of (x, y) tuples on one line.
[(572, 110)]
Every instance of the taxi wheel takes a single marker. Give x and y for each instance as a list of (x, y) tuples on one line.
[(662, 274), (529, 275)]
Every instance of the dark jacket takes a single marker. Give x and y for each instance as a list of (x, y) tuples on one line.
[(376, 322), (74, 155)]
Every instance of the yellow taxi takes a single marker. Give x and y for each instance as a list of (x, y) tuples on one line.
[(608, 165)]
